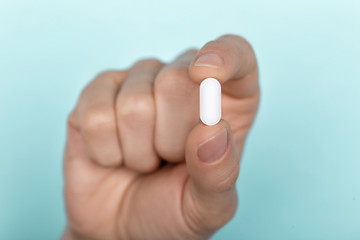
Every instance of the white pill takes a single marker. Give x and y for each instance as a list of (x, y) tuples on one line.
[(210, 101)]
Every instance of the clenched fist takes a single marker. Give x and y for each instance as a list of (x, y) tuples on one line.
[(138, 162)]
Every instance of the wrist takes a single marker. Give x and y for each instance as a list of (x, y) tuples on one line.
[(69, 235)]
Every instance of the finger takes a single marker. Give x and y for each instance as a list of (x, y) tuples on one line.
[(95, 117), (210, 197), (136, 116), (232, 61), (175, 95)]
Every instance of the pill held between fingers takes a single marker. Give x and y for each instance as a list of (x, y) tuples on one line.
[(210, 101)]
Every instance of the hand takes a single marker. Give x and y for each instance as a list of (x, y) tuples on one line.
[(138, 162)]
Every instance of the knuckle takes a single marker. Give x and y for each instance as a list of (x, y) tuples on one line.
[(135, 108), (106, 74), (240, 39), (110, 75), (170, 83), (97, 119), (149, 61)]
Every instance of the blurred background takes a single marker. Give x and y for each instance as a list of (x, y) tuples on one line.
[(300, 175)]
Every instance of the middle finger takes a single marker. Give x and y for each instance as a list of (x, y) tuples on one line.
[(136, 116)]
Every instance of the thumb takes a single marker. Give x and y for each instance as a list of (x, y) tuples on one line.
[(212, 159)]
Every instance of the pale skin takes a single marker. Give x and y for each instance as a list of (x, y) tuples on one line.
[(138, 162)]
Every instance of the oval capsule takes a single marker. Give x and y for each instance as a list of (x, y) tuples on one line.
[(210, 101)]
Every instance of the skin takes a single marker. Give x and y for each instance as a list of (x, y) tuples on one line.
[(132, 166)]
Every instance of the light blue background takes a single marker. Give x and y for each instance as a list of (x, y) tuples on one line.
[(300, 177)]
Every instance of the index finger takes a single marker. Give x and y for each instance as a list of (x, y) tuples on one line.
[(231, 60)]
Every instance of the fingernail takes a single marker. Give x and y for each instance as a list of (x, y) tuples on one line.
[(213, 148), (209, 60)]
